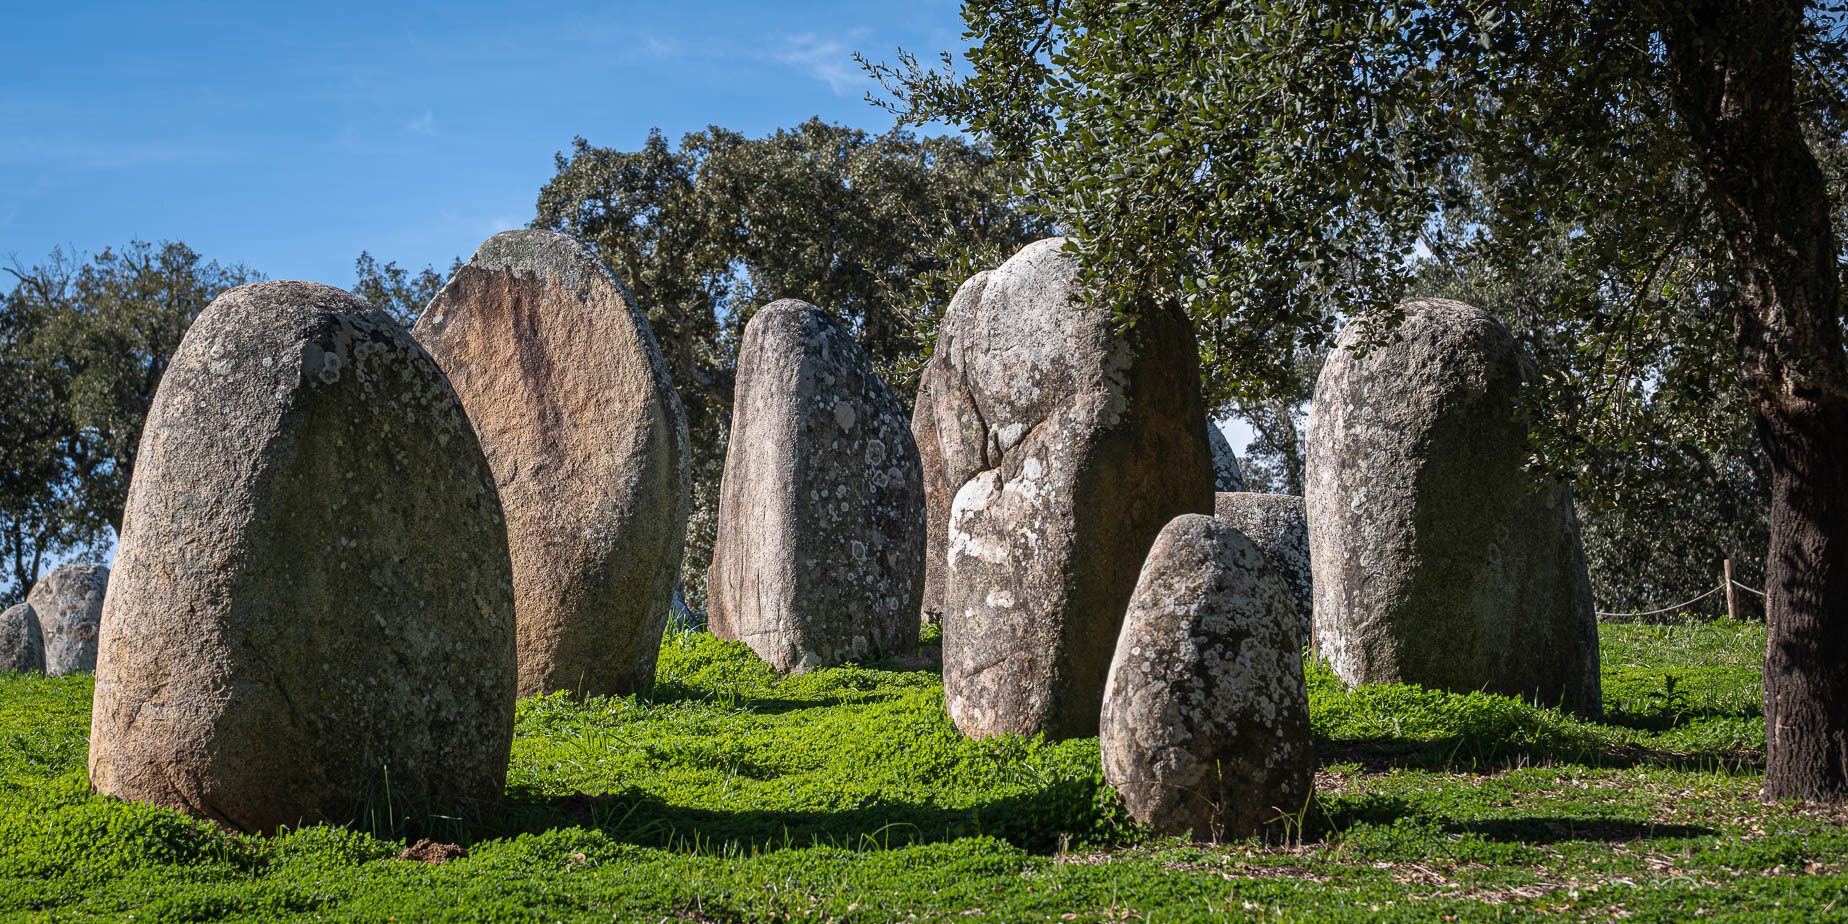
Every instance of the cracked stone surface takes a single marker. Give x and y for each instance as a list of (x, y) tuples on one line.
[(559, 371), (22, 642), (68, 602), (1062, 447), (1438, 560), (819, 555), (312, 593), (1206, 713)]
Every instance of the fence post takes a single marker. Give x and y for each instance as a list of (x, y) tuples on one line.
[(1732, 593)]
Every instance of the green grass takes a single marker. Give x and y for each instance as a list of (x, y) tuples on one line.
[(729, 794)]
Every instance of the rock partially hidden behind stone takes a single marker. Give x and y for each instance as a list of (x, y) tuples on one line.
[(1206, 714), (69, 604), (1065, 446), (1227, 476), (432, 853), (312, 601), (556, 364), (1277, 525), (1439, 560), (819, 555), (22, 645)]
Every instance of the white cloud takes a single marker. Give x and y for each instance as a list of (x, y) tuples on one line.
[(826, 60), (422, 125)]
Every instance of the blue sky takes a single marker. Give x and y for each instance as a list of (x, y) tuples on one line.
[(291, 137)]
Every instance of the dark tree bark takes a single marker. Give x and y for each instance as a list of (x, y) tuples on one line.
[(1732, 63)]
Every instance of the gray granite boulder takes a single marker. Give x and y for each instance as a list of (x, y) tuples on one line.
[(560, 374), (1206, 714), (1438, 559), (819, 555), (312, 598), (1227, 476), (22, 644), (1278, 525), (935, 388), (1065, 445), (69, 604)]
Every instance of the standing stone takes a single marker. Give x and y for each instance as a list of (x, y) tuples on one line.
[(1438, 559), (1065, 447), (1206, 715), (69, 606), (312, 598), (819, 556), (936, 388), (558, 369), (1227, 476), (1279, 527), (22, 644)]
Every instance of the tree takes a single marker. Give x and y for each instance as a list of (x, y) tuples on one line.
[(394, 290), (1274, 163), (87, 343), (869, 227)]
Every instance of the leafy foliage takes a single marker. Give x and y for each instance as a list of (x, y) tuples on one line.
[(874, 228), (86, 344), (393, 289)]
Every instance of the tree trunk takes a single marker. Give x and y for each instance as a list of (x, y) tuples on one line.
[(1732, 62)]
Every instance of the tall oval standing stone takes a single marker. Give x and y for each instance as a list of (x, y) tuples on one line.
[(69, 605), (1206, 713), (312, 601), (559, 371), (1279, 526), (819, 556), (22, 643), (1438, 559), (1065, 446)]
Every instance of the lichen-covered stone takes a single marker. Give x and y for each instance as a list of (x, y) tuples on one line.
[(1279, 526), (312, 599), (936, 388), (819, 555), (1065, 446), (1438, 559), (1206, 715), (22, 643), (1227, 476), (69, 605), (560, 374)]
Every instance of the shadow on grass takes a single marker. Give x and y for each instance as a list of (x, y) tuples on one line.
[(1036, 821), (1554, 829), (667, 693), (1477, 754)]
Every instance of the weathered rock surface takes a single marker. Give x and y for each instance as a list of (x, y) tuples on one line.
[(935, 387), (819, 556), (1279, 526), (1065, 447), (1227, 476), (1438, 560), (69, 604), (1206, 714), (312, 597), (559, 371), (22, 644)]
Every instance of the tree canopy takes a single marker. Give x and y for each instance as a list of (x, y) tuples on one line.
[(83, 345), (876, 229)]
